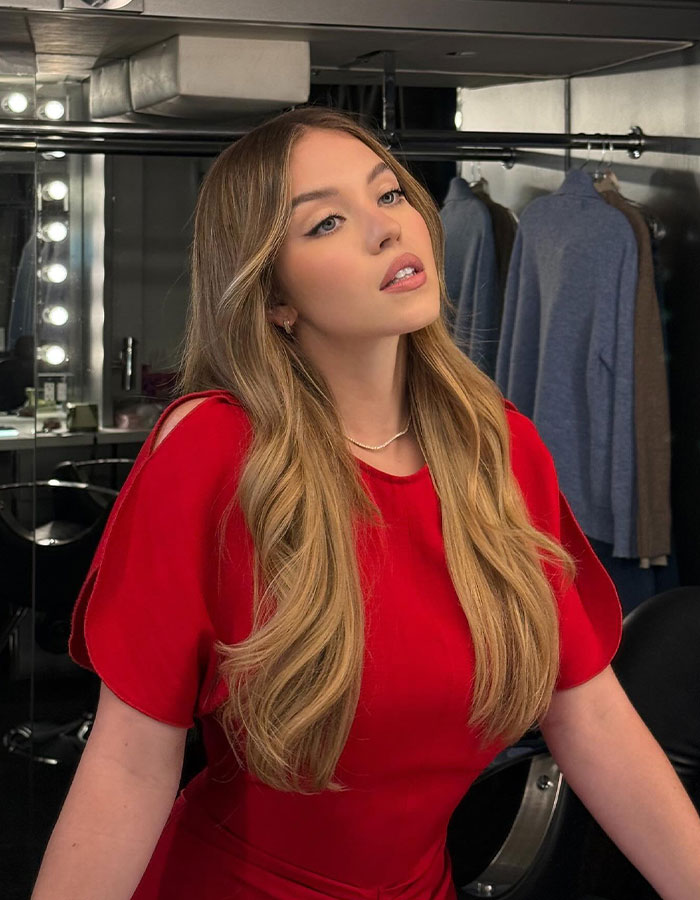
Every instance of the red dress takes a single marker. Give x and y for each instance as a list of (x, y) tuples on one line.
[(152, 605)]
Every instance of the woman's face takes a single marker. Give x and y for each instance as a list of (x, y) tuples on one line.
[(351, 229)]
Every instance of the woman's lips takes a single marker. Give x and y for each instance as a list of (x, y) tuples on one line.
[(404, 260), (406, 284)]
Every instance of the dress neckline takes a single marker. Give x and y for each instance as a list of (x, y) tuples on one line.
[(423, 472), (389, 476)]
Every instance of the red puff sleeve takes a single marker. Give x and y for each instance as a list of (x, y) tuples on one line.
[(141, 620), (589, 609)]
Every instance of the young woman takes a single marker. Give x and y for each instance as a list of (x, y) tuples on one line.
[(346, 555)]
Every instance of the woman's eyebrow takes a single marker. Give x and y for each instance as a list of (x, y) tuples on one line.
[(321, 193)]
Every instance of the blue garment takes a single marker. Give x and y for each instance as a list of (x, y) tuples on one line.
[(22, 307), (635, 585), (35, 254), (471, 275), (566, 353)]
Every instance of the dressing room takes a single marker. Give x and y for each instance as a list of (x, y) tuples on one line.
[(442, 259)]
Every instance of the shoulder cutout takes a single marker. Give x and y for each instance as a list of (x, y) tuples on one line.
[(177, 415)]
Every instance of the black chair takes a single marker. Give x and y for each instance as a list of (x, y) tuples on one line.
[(83, 506), (80, 513), (658, 665), (521, 833), (59, 551)]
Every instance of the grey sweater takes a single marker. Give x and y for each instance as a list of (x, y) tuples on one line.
[(566, 352), (471, 275)]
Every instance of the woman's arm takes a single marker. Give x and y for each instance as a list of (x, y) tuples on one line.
[(120, 799), (620, 773)]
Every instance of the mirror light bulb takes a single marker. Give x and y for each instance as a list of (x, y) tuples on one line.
[(55, 273), (458, 119), (52, 109), (53, 354), (56, 315), (55, 190), (54, 154), (54, 231), (15, 102)]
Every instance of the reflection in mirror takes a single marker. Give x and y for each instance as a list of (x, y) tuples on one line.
[(102, 295), (17, 381), (90, 326), (17, 267), (149, 212)]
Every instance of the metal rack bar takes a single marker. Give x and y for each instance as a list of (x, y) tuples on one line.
[(567, 119), (389, 94), (127, 137), (484, 154), (636, 142)]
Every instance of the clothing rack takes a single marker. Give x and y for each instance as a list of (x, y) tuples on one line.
[(195, 140)]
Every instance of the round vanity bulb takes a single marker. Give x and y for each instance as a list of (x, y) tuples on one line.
[(56, 315), (53, 354), (52, 109), (15, 102), (54, 190), (54, 231), (55, 273)]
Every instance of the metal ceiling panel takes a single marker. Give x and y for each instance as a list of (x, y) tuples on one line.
[(460, 59), (75, 42), (671, 19)]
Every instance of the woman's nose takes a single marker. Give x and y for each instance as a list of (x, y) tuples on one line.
[(381, 227)]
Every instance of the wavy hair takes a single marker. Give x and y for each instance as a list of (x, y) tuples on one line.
[(294, 682)]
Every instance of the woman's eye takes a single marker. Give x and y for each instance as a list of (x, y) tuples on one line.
[(321, 229), (396, 191)]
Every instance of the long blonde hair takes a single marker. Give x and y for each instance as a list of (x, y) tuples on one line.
[(294, 682)]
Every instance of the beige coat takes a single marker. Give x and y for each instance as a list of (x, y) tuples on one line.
[(651, 403)]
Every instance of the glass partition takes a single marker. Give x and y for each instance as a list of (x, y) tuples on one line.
[(93, 295), (17, 382), (108, 248)]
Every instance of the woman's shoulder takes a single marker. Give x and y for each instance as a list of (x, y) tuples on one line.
[(531, 461), (525, 439), (197, 443), (216, 409)]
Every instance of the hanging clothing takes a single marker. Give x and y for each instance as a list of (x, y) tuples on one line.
[(651, 401), (635, 583), (21, 320), (505, 226), (155, 600), (566, 354), (35, 255), (16, 375), (661, 279), (470, 275)]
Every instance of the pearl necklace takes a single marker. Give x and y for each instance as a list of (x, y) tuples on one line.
[(381, 446)]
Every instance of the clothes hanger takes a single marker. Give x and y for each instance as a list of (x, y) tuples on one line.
[(654, 223), (588, 157), (606, 180), (478, 184)]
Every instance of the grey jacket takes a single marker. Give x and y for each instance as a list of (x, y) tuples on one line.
[(471, 275), (566, 353)]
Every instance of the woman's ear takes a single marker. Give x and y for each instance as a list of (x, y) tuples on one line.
[(279, 312)]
